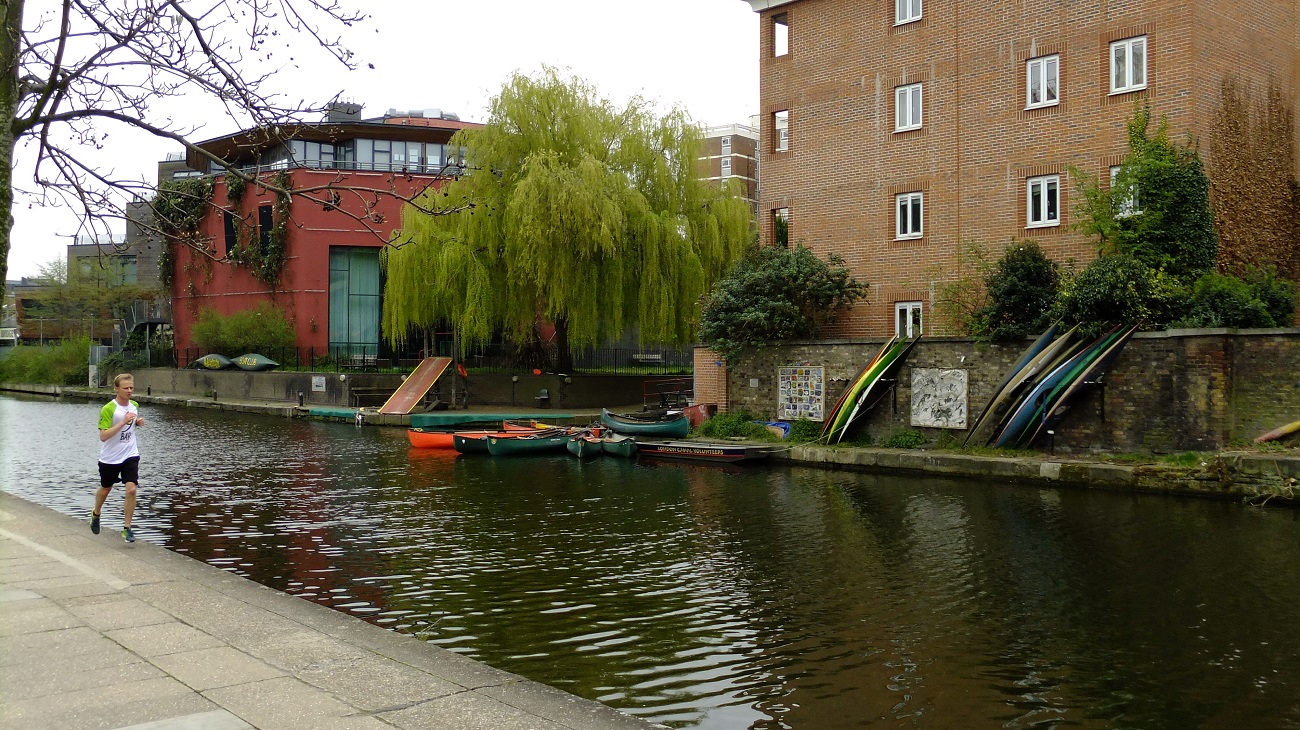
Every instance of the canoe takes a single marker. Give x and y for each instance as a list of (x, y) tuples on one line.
[(1278, 432), (1090, 374), (1005, 402), (254, 362), (873, 390), (853, 384), (835, 429), (444, 438), (213, 361), (1053, 395), (1023, 417), (673, 424), (523, 445), (584, 445), (702, 451), (467, 443), (1035, 348), (617, 445)]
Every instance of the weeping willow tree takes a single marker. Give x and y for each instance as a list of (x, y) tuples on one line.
[(576, 212)]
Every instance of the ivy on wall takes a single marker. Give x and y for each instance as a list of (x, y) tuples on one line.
[(178, 208), (266, 258), (1253, 186)]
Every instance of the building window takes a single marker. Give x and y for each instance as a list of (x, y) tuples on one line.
[(1042, 79), (265, 222), (726, 167), (781, 34), (906, 11), (909, 210), (726, 145), (907, 108), (1128, 65), (232, 233), (781, 124), (907, 319), (1044, 195), (130, 270), (781, 227), (1124, 193), (354, 300)]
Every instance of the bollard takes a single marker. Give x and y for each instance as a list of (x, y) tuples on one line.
[(214, 395), (148, 390), (300, 398)]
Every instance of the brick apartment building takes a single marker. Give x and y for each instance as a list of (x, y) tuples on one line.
[(730, 152), (897, 132), (331, 285)]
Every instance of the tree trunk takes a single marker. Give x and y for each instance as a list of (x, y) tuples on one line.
[(563, 356), (11, 17)]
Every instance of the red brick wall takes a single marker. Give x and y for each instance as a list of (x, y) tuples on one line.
[(710, 378), (978, 143)]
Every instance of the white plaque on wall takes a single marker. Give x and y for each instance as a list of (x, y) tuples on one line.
[(318, 383), (801, 393), (938, 398)]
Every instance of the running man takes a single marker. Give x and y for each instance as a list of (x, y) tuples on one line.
[(119, 455)]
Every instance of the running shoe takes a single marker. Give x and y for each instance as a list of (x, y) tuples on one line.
[(128, 534), (94, 522)]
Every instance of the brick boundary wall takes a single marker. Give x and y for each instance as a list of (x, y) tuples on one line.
[(1179, 390), (710, 378)]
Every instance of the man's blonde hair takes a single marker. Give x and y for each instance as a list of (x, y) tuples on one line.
[(123, 376)]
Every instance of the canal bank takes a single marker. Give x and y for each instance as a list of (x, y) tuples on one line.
[(98, 633), (1259, 477)]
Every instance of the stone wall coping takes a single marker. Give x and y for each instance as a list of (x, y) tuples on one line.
[(1152, 335)]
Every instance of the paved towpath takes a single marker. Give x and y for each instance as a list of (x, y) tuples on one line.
[(95, 633)]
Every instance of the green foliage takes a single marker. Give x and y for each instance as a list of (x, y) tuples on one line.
[(262, 329), (178, 208), (1158, 210), (1226, 301), (904, 438), (776, 294), (235, 187), (579, 212), (781, 231), (1278, 295), (961, 301), (64, 363), (1119, 288), (802, 431), (737, 424), (1022, 288)]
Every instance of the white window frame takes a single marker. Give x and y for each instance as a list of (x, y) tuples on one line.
[(1129, 206), (726, 145), (726, 166), (1130, 82), (782, 132), (909, 216), (1048, 67), (1048, 184), (908, 105), (906, 11), (908, 319)]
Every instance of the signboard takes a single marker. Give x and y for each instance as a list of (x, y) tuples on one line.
[(801, 393), (318, 383), (939, 398)]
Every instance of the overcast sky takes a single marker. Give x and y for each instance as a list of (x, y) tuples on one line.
[(454, 56)]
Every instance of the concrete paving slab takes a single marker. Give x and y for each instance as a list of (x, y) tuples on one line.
[(166, 638), (17, 594), (98, 702), (36, 616), (112, 717), (568, 710), (466, 711), (117, 611), (285, 703), (206, 669), (215, 720), (373, 683), (37, 571), (29, 685)]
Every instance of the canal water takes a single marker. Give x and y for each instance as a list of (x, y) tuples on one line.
[(768, 597)]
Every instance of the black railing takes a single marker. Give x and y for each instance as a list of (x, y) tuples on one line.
[(488, 359)]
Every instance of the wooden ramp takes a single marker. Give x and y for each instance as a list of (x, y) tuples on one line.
[(415, 386)]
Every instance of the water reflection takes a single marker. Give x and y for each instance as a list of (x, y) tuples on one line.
[(765, 598)]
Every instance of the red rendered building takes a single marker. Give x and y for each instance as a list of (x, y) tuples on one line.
[(330, 286)]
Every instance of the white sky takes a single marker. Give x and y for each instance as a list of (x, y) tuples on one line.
[(454, 56)]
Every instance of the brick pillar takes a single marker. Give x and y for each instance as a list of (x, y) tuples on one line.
[(710, 378)]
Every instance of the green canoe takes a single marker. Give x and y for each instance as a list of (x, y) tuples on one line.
[(521, 445)]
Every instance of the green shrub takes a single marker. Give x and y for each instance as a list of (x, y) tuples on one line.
[(1225, 301), (1119, 288), (65, 363), (731, 425), (802, 430), (1021, 288), (1277, 294), (904, 438), (264, 329)]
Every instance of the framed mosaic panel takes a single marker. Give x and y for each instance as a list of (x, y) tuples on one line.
[(801, 393)]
